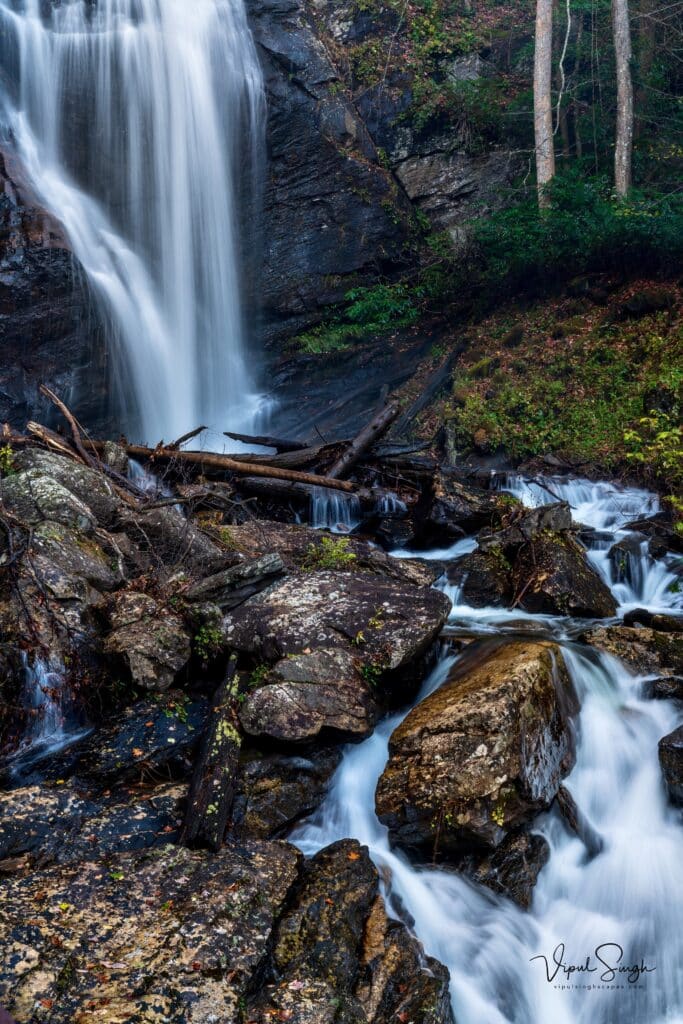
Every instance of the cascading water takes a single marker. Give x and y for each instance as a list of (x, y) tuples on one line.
[(627, 894), (140, 125), (334, 510), (51, 726)]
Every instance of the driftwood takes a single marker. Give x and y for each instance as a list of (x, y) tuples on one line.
[(364, 440), (227, 464), (294, 460), (212, 789), (280, 444), (71, 420), (186, 437)]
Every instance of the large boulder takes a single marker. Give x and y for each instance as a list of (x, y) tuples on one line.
[(553, 576), (308, 693), (34, 497), (337, 958), (484, 753), (671, 760), (387, 624), (89, 486)]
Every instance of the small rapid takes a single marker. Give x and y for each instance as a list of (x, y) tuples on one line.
[(625, 898)]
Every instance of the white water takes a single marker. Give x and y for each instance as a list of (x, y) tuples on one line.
[(140, 125), (47, 700), (629, 893)]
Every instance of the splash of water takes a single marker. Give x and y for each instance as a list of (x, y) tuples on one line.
[(140, 124)]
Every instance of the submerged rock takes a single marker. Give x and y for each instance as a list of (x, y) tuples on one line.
[(483, 754), (671, 760)]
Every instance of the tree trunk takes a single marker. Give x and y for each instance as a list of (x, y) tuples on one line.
[(543, 112), (623, 153)]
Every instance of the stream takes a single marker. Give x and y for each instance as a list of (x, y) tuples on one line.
[(620, 907)]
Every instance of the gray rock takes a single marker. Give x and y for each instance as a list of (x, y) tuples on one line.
[(153, 642), (323, 690), (33, 498)]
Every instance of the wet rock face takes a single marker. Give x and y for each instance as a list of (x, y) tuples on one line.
[(330, 210), (671, 760), (513, 868), (484, 579), (458, 509), (483, 754), (337, 957), (48, 325), (274, 791), (180, 937), (553, 576)]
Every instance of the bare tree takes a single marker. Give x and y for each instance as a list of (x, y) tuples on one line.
[(623, 153), (543, 111)]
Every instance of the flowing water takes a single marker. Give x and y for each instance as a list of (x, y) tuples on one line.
[(52, 725), (626, 897), (140, 124)]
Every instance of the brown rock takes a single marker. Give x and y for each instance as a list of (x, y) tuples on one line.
[(483, 754)]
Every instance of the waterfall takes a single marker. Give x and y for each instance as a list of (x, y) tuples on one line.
[(629, 893), (140, 124), (334, 510), (52, 721)]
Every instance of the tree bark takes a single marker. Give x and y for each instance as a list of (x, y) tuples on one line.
[(623, 153), (543, 111)]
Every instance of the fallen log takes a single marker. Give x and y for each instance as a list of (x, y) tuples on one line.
[(294, 460), (226, 463), (364, 440), (280, 444), (299, 495), (212, 789)]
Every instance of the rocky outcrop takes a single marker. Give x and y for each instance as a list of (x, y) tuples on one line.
[(458, 509), (483, 754), (335, 950), (671, 760), (192, 927), (152, 641), (646, 651), (172, 936), (47, 325)]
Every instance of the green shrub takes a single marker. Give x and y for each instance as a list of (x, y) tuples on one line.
[(329, 554)]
